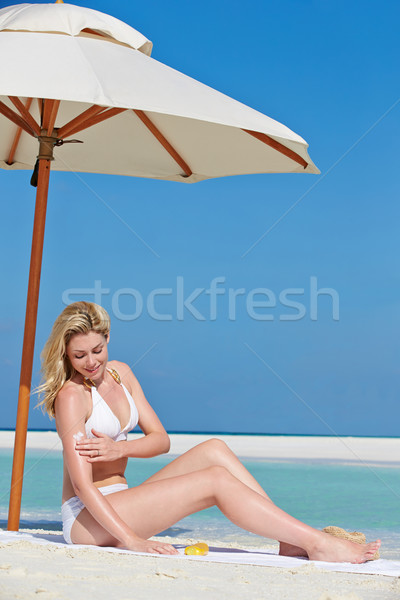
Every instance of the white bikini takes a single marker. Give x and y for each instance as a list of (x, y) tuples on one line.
[(104, 420)]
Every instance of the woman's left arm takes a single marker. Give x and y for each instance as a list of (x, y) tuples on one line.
[(155, 441)]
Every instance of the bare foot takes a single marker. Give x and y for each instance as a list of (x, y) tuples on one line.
[(338, 550), (290, 550)]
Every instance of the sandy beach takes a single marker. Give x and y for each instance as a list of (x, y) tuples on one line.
[(353, 450), (30, 571)]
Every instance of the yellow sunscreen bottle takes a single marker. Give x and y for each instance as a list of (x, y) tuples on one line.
[(200, 549)]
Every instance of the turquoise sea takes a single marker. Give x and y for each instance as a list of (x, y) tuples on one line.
[(354, 497)]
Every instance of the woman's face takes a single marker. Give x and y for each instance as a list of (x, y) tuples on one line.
[(88, 354)]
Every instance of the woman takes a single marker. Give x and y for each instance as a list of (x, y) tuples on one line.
[(91, 397)]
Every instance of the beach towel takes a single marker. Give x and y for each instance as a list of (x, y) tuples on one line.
[(248, 556)]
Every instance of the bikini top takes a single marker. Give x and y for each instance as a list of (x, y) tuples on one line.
[(104, 420)]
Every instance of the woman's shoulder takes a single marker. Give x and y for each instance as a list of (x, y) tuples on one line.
[(72, 407), (71, 394), (71, 388), (125, 373), (122, 368)]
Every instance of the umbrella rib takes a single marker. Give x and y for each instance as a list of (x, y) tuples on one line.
[(262, 137), (52, 117), (47, 105), (40, 106), (90, 112), (93, 32), (50, 110), (91, 116), (164, 142), (17, 137), (15, 118), (25, 114)]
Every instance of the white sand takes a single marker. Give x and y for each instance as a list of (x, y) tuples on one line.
[(384, 451), (30, 571)]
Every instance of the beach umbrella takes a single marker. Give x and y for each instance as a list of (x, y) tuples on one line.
[(79, 91)]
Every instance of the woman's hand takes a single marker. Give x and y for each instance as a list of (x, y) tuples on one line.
[(151, 546), (99, 449)]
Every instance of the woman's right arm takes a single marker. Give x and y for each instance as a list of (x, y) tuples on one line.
[(70, 420)]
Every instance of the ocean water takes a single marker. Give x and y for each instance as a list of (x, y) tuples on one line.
[(320, 494)]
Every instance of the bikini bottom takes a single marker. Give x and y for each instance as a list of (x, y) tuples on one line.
[(72, 507)]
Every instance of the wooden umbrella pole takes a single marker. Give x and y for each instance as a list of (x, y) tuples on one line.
[(29, 343)]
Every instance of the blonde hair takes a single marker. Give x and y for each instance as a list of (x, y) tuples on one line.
[(79, 317)]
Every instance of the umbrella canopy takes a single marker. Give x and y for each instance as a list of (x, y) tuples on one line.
[(76, 75), (71, 20), (92, 62)]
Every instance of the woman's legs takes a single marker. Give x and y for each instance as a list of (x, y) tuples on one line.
[(152, 507), (211, 453)]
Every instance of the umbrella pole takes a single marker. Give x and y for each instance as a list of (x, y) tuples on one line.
[(28, 345)]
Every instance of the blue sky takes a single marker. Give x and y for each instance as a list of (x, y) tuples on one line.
[(327, 70)]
